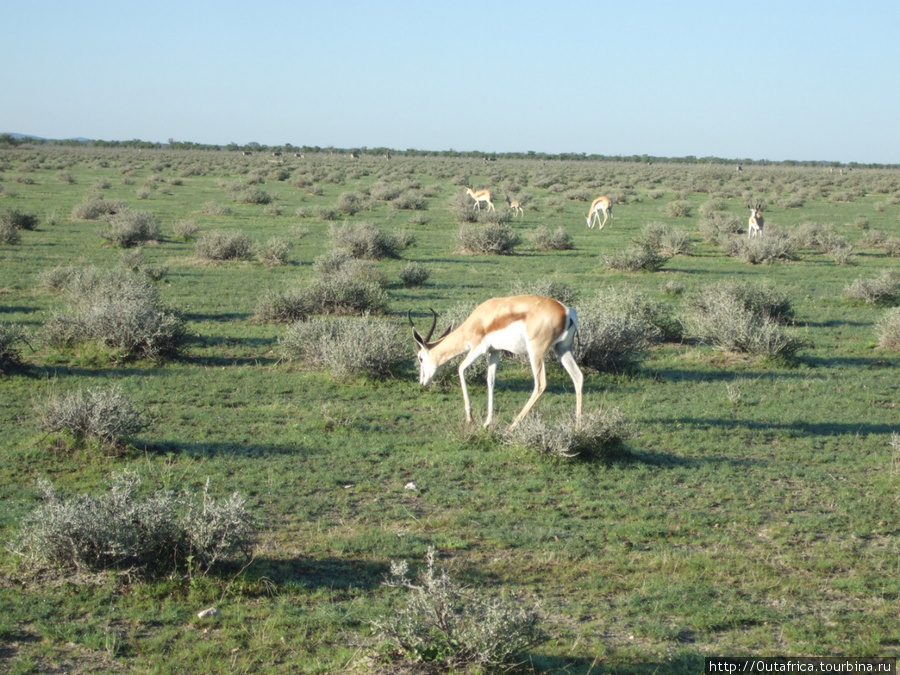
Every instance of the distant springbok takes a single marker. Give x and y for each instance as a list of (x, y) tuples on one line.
[(515, 206), (756, 222), (600, 205), (481, 196)]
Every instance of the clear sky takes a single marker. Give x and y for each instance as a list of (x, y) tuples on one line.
[(756, 79)]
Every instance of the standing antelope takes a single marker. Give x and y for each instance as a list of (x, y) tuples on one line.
[(756, 222), (481, 196), (600, 205), (515, 206), (523, 324)]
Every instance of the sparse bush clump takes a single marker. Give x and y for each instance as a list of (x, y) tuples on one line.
[(885, 288), (347, 285), (615, 328), (130, 228), (599, 431), (677, 209), (218, 245), (9, 234), (738, 319), (445, 623), (17, 220), (211, 208), (185, 230), (547, 288), (273, 251), (161, 533), (347, 346), (414, 274), (487, 239), (635, 259), (351, 203), (284, 306), (11, 334), (717, 227), (759, 250), (364, 240), (546, 239), (118, 309), (667, 240), (94, 208), (251, 195), (106, 415), (888, 330)]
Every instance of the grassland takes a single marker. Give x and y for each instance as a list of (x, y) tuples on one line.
[(754, 511)]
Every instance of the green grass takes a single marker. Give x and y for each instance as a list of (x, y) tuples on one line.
[(754, 511)]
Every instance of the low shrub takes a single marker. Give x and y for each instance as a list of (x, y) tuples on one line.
[(347, 346), (250, 195), (351, 203), (487, 239), (888, 330), (218, 246), (161, 533), (18, 220), (130, 228), (347, 286), (885, 288), (11, 334), (364, 240), (611, 337), (411, 200), (212, 208), (717, 227), (106, 415), (284, 306), (677, 209), (94, 208), (274, 251), (185, 230), (118, 309), (459, 628), (665, 239), (728, 321), (760, 250), (547, 288), (545, 239), (763, 300), (598, 432), (414, 274), (635, 259), (9, 234), (57, 278)]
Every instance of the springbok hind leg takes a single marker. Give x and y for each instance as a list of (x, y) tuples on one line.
[(540, 384), (568, 362)]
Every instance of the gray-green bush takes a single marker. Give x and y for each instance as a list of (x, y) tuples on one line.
[(11, 334), (347, 346), (460, 628), (888, 330), (726, 319), (364, 240), (885, 288), (104, 414), (159, 533), (118, 309), (219, 246), (598, 432), (487, 239), (128, 228)]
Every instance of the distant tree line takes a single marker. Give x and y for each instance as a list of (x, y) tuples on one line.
[(8, 140)]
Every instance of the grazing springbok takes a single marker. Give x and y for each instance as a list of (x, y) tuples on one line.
[(600, 205), (515, 206), (522, 324), (756, 222), (481, 196)]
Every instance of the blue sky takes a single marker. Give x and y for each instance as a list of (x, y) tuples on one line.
[(776, 80)]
